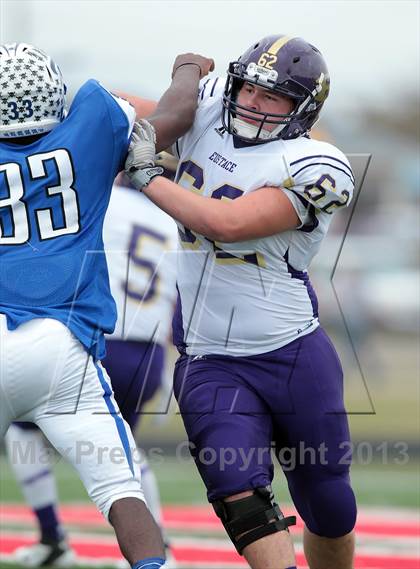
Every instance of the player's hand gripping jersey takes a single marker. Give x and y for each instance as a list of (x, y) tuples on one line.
[(270, 300), (53, 197), (140, 243)]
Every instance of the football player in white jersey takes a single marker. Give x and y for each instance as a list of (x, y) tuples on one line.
[(56, 174), (254, 199)]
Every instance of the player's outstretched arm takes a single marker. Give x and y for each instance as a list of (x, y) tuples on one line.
[(173, 115), (264, 212)]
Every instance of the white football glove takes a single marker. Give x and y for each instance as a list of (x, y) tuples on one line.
[(142, 178), (140, 162), (141, 153)]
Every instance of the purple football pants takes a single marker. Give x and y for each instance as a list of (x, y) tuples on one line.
[(237, 409)]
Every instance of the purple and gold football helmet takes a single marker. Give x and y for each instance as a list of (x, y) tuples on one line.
[(285, 65)]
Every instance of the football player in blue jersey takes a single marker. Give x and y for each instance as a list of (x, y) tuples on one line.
[(140, 244), (254, 199), (56, 175)]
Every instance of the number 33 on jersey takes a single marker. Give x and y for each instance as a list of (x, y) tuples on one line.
[(16, 228)]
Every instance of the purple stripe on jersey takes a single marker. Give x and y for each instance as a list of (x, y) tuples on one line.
[(37, 476), (311, 210), (312, 223), (324, 164), (302, 200), (304, 277), (214, 87), (324, 156), (203, 89), (178, 328)]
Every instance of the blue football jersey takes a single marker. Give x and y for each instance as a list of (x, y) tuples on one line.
[(53, 197)]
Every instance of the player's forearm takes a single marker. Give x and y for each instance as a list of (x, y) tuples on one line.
[(261, 213), (175, 111), (206, 216)]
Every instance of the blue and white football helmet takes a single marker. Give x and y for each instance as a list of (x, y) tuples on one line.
[(32, 91)]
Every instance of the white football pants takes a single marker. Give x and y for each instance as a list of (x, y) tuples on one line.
[(48, 378)]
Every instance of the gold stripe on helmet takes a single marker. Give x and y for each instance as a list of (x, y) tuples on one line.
[(278, 44)]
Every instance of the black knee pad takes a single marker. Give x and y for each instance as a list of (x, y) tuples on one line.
[(255, 516)]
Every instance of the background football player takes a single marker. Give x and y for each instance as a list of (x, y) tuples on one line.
[(256, 198), (56, 175)]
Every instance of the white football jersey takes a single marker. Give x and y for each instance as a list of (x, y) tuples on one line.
[(140, 243), (253, 296)]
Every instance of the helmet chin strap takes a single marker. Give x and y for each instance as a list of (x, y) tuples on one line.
[(247, 130)]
